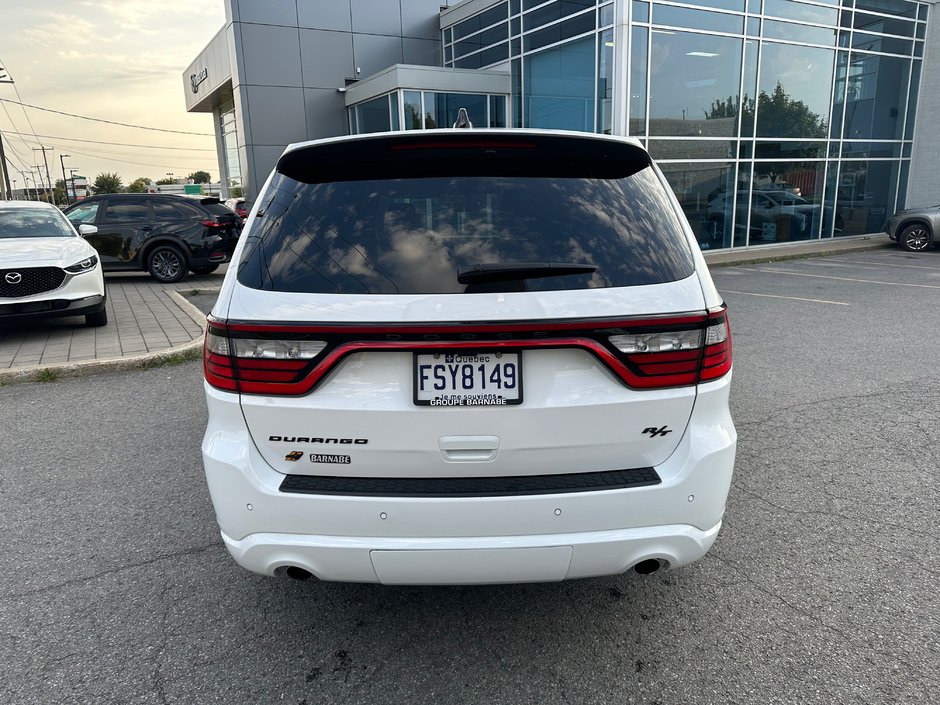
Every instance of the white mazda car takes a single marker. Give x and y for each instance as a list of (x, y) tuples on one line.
[(458, 356), (46, 267)]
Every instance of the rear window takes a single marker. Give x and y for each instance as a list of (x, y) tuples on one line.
[(217, 208), (416, 235)]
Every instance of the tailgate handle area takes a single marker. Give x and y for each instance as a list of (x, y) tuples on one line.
[(469, 449)]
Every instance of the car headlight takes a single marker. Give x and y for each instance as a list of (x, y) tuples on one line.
[(86, 265)]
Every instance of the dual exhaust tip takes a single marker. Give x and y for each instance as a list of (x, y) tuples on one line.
[(647, 567)]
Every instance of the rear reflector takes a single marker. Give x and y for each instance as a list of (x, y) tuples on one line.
[(645, 353)]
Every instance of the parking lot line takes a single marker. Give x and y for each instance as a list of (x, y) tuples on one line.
[(791, 298), (885, 264), (842, 279)]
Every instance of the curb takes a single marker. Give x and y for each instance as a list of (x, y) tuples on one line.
[(172, 355), (715, 260)]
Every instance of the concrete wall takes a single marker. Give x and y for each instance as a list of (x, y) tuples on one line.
[(290, 57), (924, 183)]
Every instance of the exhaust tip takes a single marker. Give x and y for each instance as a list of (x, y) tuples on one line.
[(296, 573), (650, 565)]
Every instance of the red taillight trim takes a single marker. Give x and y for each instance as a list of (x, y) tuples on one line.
[(459, 328), (638, 371)]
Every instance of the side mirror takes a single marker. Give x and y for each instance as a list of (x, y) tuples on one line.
[(86, 230)]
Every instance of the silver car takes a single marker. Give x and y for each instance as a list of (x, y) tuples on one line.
[(914, 229)]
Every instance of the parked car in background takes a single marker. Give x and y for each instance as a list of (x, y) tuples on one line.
[(782, 213), (914, 229), (164, 234), (468, 357), (46, 267), (779, 186), (239, 206)]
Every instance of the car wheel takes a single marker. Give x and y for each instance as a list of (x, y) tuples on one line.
[(166, 264), (914, 238), (99, 318), (205, 269)]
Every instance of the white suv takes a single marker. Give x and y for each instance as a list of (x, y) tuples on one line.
[(464, 356)]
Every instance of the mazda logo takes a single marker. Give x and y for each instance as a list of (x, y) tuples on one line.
[(13, 277)]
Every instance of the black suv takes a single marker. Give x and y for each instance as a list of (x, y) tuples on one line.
[(163, 234)]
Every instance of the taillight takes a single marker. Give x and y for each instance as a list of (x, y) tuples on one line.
[(256, 365), (644, 353), (213, 223), (673, 358)]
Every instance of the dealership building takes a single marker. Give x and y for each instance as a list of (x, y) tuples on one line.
[(772, 120)]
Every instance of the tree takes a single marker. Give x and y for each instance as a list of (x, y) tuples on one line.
[(59, 191), (138, 185), (200, 177), (168, 181), (107, 183), (778, 115)]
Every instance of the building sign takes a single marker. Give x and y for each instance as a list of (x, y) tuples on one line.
[(197, 78)]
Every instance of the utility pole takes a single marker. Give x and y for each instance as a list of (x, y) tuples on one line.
[(46, 162), (65, 183), (5, 186), (72, 180)]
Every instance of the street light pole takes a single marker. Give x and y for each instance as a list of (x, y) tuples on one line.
[(13, 195), (5, 171), (65, 184)]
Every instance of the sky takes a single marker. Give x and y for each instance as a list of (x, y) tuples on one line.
[(120, 60)]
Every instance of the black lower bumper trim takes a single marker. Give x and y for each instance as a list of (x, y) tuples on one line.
[(50, 308), (470, 486)]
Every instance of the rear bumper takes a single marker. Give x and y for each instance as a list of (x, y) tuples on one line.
[(467, 561), (414, 540)]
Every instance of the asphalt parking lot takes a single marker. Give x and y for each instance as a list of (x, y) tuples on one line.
[(821, 588)]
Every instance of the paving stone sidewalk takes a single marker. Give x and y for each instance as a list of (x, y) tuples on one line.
[(144, 317)]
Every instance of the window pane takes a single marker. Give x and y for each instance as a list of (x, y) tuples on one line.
[(697, 19), (412, 110), (484, 39), (557, 32), (901, 8), (799, 33), (795, 85), (372, 116), (695, 83), (641, 11), (884, 25), (912, 103), (876, 97), (875, 42), (706, 193), (126, 210), (786, 201), (497, 111), (484, 58), (605, 81), (553, 12), (693, 149), (559, 87), (639, 46), (447, 105), (478, 22), (798, 11), (865, 190), (393, 109)]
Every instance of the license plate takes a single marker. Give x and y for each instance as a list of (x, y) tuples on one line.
[(468, 379)]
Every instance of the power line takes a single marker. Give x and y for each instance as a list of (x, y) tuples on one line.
[(113, 144), (108, 122), (128, 161)]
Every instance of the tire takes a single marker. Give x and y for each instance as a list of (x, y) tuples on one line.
[(204, 269), (95, 320), (915, 238), (167, 264)]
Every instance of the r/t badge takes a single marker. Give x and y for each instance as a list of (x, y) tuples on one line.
[(662, 431)]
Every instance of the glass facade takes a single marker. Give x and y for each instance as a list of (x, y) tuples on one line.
[(425, 110), (231, 164), (772, 120)]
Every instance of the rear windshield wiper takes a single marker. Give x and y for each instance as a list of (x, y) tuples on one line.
[(484, 273)]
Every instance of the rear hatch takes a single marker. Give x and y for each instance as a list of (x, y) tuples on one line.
[(465, 305)]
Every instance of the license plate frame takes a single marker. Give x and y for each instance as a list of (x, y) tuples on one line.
[(478, 398)]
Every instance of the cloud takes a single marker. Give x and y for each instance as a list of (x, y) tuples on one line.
[(80, 31), (139, 16)]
